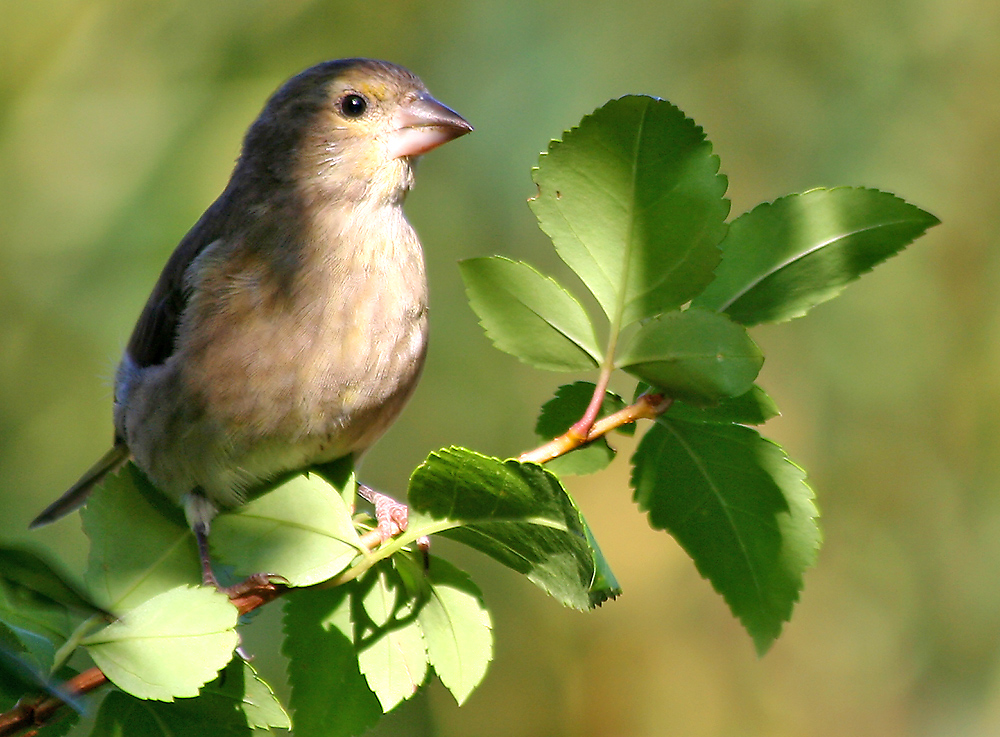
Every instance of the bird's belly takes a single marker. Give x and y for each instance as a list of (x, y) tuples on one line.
[(289, 393)]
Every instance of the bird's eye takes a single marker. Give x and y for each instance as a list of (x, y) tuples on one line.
[(353, 106)]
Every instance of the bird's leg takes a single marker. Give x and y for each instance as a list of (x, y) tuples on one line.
[(208, 578), (391, 516), (200, 511)]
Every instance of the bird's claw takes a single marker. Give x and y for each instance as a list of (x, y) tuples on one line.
[(255, 590), (392, 516)]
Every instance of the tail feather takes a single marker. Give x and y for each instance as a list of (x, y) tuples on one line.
[(77, 494)]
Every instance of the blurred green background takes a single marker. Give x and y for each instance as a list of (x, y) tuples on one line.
[(120, 121)]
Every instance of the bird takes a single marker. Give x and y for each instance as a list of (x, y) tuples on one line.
[(289, 327)]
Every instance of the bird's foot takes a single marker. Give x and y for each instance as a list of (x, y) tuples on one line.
[(249, 593), (255, 590), (392, 516)]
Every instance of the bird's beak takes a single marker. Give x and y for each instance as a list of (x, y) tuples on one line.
[(423, 124)]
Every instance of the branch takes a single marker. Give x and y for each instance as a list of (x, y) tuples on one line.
[(647, 407)]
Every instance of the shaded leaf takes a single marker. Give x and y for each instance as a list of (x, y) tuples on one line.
[(30, 571), (561, 412), (634, 204), (754, 407), (239, 689), (739, 508), (301, 530), (140, 544), (122, 715), (169, 646), (784, 257), (519, 514), (330, 697), (695, 355), (529, 315), (21, 674), (39, 625)]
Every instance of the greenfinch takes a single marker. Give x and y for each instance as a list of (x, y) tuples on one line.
[(289, 327)]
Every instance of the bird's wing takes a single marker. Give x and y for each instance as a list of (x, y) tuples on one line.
[(154, 336)]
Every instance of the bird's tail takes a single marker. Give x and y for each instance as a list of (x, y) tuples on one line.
[(77, 494)]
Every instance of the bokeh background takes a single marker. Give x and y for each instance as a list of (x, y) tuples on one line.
[(120, 121)]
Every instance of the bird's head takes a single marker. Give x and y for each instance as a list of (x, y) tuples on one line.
[(348, 129)]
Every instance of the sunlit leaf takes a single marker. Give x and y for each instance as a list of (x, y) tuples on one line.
[(784, 257), (739, 508), (518, 513), (169, 646), (695, 355), (634, 204), (456, 627), (392, 654), (140, 545), (529, 315), (301, 530)]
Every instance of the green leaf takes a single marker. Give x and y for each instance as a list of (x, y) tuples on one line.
[(529, 315), (391, 651), (783, 258), (122, 715), (561, 412), (330, 697), (234, 704), (739, 508), (169, 646), (634, 204), (301, 530), (40, 625), (697, 356), (456, 627), (140, 545), (752, 408), (519, 514), (340, 474), (31, 572), (239, 689)]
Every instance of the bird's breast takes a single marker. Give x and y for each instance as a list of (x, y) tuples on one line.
[(325, 348)]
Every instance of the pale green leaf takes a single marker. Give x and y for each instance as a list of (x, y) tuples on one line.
[(456, 627), (169, 646), (140, 545), (301, 530), (391, 654)]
